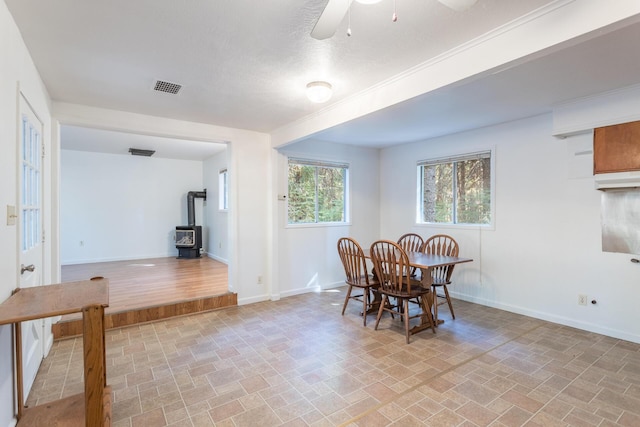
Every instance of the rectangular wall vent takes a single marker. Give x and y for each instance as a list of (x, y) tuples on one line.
[(141, 152), (167, 87)]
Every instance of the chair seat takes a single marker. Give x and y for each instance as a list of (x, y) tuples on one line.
[(416, 291), (362, 282)]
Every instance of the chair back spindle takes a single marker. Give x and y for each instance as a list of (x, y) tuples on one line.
[(441, 244), (411, 242)]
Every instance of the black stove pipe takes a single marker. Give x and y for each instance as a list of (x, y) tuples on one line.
[(191, 196)]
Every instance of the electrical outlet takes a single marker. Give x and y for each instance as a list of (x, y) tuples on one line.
[(582, 299), (81, 242), (259, 280)]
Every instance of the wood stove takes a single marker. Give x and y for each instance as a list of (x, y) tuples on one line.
[(189, 241), (189, 237)]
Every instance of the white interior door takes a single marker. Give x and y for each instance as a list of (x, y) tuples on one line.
[(30, 233)]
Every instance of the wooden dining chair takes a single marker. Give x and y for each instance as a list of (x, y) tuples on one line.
[(411, 242), (441, 244), (356, 276), (391, 265)]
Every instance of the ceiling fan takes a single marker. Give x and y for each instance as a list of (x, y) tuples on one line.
[(335, 11)]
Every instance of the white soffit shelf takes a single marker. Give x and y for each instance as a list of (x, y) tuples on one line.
[(604, 109), (604, 181)]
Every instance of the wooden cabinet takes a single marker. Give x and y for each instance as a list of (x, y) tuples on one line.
[(93, 407), (616, 148)]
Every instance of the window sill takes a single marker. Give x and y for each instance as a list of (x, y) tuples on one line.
[(488, 227), (319, 225)]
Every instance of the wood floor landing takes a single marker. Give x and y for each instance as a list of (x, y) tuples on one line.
[(151, 289)]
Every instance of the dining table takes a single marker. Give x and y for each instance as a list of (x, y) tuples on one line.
[(426, 263)]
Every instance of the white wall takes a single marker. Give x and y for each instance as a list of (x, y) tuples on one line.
[(17, 71), (119, 207), (308, 255), (216, 220), (545, 248)]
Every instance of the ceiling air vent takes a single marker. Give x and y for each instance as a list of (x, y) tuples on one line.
[(167, 87), (141, 152)]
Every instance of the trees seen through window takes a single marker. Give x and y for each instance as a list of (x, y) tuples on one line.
[(317, 192), (456, 190)]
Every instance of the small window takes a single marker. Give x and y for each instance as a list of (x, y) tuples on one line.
[(223, 190), (455, 190), (317, 192)]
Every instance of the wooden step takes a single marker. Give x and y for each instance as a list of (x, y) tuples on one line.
[(70, 326)]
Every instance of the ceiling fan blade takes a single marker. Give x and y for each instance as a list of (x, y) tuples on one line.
[(330, 19), (458, 5)]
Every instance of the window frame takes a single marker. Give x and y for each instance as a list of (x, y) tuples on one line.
[(462, 156), (318, 162)]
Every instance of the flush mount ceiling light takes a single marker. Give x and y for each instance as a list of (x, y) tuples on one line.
[(319, 92)]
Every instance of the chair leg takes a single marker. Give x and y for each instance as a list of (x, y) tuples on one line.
[(365, 305), (446, 293), (346, 299), (380, 310), (405, 305)]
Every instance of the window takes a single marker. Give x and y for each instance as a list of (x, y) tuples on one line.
[(317, 192), (455, 190), (223, 190)]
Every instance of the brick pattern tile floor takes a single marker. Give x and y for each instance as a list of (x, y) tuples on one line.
[(298, 362)]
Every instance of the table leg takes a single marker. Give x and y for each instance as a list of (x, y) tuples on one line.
[(426, 320), (377, 298), (375, 303), (427, 280)]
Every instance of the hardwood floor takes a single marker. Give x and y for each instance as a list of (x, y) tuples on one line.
[(152, 289)]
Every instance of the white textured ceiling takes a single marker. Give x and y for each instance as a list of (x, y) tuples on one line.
[(245, 63)]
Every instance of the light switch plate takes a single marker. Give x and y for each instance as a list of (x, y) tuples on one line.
[(11, 215)]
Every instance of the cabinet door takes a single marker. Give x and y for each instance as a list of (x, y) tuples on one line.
[(616, 148)]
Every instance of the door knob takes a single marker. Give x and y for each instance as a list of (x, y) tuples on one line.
[(24, 268)]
